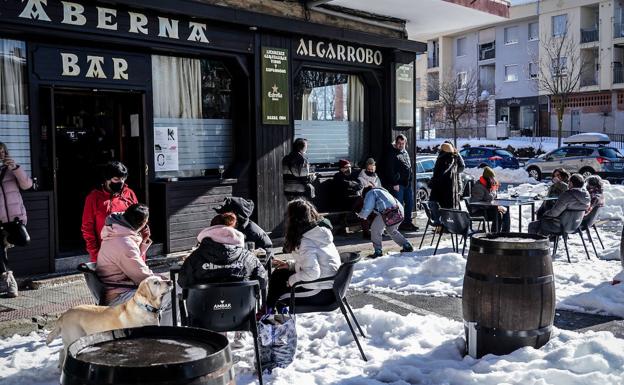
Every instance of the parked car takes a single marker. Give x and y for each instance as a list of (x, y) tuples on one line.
[(586, 159), (424, 172), (489, 156)]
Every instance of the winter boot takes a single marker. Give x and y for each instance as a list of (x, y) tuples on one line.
[(8, 284), (378, 253), (407, 248)]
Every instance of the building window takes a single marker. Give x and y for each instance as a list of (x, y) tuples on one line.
[(511, 35), (14, 101), (559, 25), (461, 80), (533, 70), (461, 46), (533, 31), (511, 73), (418, 85), (193, 97), (330, 112), (559, 66)]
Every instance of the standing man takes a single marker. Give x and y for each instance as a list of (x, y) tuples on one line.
[(296, 172), (399, 174)]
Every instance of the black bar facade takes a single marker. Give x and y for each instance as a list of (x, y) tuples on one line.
[(110, 80)]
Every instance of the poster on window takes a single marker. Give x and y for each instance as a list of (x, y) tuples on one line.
[(274, 86), (166, 148), (405, 95)]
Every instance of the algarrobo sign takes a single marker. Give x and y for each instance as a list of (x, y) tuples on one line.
[(340, 52)]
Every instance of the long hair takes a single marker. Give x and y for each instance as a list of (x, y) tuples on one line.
[(5, 148), (301, 216)]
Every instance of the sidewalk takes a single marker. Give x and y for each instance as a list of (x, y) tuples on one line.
[(42, 300)]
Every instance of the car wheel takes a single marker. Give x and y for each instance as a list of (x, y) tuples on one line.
[(534, 173), (422, 195), (587, 172)]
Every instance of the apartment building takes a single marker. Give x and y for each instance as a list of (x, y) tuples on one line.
[(505, 57)]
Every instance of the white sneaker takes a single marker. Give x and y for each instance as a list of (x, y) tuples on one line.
[(240, 340), (8, 284)]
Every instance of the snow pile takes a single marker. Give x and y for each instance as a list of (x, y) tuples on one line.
[(614, 202), (419, 272), (408, 349), (544, 143), (504, 175)]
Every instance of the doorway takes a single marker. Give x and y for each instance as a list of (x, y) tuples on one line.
[(92, 128)]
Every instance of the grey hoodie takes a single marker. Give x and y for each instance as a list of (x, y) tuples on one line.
[(572, 199)]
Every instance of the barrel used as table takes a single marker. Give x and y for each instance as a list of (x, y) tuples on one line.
[(509, 293), (156, 355)]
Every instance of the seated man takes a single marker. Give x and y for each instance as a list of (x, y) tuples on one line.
[(346, 186), (560, 180), (575, 198), (119, 259), (243, 208), (221, 256)]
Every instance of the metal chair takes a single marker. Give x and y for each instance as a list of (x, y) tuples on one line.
[(433, 219), (340, 284), (456, 222), (223, 307), (588, 222), (95, 285), (474, 218), (569, 223)]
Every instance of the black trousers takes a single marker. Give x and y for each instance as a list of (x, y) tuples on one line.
[(278, 286), (4, 258)]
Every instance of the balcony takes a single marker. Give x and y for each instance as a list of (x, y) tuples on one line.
[(618, 75), (589, 35), (487, 51), (589, 81), (433, 62)]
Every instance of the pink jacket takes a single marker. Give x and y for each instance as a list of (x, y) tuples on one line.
[(13, 181), (119, 260)]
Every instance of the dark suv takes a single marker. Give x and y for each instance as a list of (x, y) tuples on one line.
[(489, 156)]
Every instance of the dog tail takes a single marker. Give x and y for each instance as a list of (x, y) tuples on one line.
[(56, 331)]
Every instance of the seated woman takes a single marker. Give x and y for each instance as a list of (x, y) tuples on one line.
[(221, 256), (485, 191), (593, 184), (315, 256), (560, 179)]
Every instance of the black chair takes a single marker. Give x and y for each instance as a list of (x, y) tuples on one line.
[(223, 307), (588, 222), (481, 219), (340, 284), (433, 219), (95, 285), (456, 222), (569, 223)]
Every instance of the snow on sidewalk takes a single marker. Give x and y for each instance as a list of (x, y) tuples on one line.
[(408, 349)]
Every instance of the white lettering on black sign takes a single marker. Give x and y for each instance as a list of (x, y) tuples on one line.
[(339, 52), (71, 67)]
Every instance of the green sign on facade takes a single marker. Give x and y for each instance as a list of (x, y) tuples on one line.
[(275, 86)]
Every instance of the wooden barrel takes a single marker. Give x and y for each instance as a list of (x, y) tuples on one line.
[(509, 293), (156, 355)]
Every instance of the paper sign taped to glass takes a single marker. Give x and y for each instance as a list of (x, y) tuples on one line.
[(166, 149)]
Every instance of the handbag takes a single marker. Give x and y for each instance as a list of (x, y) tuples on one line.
[(16, 232), (393, 215), (278, 340)]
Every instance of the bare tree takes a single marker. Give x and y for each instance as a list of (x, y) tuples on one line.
[(458, 95), (559, 70)]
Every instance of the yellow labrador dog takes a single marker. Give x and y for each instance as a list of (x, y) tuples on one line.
[(83, 320)]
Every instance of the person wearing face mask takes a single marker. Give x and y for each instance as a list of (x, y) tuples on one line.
[(368, 176), (485, 191), (560, 178), (112, 196)]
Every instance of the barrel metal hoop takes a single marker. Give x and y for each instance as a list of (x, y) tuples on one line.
[(510, 252), (512, 333), (510, 280)]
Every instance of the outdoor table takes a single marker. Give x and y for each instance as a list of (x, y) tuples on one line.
[(513, 201)]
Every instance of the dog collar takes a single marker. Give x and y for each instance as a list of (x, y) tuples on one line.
[(147, 307)]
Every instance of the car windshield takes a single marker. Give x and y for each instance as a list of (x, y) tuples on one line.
[(427, 165), (612, 153), (504, 153)]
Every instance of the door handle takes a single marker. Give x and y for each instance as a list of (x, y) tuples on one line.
[(146, 169)]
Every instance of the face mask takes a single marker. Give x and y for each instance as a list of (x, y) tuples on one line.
[(370, 173), (116, 187)]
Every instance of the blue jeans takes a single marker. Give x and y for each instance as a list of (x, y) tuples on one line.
[(405, 195)]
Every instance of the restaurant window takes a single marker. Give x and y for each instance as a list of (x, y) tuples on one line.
[(14, 102), (193, 131), (329, 112)]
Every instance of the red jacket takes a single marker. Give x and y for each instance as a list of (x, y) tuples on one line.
[(98, 205)]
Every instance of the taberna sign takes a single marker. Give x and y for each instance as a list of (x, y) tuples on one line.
[(341, 52)]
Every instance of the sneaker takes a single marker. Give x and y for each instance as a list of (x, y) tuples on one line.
[(407, 248), (378, 253), (240, 340), (8, 284)]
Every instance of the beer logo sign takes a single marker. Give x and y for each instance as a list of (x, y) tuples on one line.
[(274, 94), (222, 306)]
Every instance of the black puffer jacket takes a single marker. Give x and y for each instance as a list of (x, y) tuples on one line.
[(243, 208), (445, 182), (214, 262), (398, 168)]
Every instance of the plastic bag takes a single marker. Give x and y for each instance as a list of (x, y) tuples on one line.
[(278, 341)]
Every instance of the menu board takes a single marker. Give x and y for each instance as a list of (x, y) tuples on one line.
[(275, 94), (404, 98)]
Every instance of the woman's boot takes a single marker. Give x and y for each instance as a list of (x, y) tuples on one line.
[(8, 284)]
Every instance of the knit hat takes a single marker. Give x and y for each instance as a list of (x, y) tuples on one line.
[(342, 163), (447, 147), (370, 161), (488, 172), (223, 234)]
